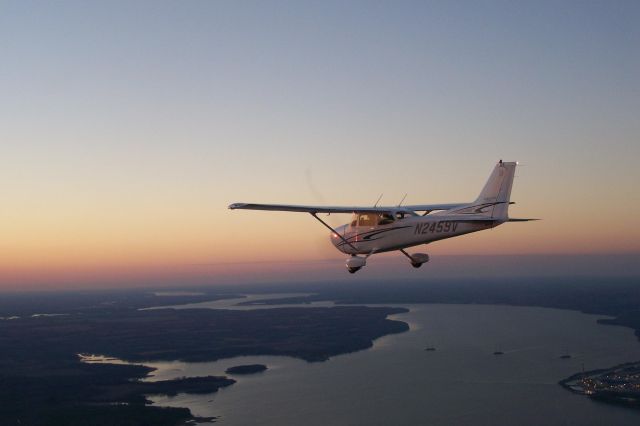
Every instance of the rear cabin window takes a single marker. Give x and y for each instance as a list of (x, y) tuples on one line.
[(404, 215), (385, 219)]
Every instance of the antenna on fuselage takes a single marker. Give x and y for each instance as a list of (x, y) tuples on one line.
[(401, 201), (379, 198)]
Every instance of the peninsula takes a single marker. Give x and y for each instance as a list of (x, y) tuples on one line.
[(618, 385)]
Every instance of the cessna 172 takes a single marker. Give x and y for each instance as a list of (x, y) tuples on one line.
[(382, 229)]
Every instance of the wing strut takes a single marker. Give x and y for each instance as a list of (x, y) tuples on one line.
[(334, 231), (406, 254)]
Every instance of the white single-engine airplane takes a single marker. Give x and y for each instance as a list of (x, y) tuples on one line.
[(381, 229)]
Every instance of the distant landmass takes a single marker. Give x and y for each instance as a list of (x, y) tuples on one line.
[(616, 297)]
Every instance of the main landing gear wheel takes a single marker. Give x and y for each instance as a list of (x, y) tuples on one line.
[(416, 259)]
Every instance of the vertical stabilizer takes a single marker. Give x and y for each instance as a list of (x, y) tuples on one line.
[(497, 191)]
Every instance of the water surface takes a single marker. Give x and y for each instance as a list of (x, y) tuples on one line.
[(398, 382)]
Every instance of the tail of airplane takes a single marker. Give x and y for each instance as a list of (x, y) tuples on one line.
[(494, 197)]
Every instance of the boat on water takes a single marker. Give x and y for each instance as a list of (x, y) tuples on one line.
[(565, 354)]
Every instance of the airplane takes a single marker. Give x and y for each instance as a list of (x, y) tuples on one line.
[(382, 229)]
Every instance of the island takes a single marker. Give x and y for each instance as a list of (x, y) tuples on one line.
[(246, 369)]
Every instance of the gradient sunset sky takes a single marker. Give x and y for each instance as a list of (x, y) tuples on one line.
[(126, 128)]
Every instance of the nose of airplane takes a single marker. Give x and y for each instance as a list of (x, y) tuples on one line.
[(335, 238)]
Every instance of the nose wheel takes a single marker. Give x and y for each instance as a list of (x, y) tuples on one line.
[(355, 263), (416, 265)]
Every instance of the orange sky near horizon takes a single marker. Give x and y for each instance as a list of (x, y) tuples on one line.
[(103, 244)]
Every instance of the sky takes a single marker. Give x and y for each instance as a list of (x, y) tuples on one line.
[(127, 127)]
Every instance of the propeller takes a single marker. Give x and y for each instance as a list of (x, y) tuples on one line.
[(322, 243)]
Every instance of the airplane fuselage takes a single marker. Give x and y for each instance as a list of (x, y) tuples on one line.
[(406, 232)]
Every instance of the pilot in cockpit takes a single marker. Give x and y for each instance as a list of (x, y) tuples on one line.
[(385, 219)]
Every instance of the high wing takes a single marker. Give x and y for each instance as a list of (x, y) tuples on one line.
[(432, 207), (337, 209)]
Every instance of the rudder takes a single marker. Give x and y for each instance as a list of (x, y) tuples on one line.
[(497, 191)]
